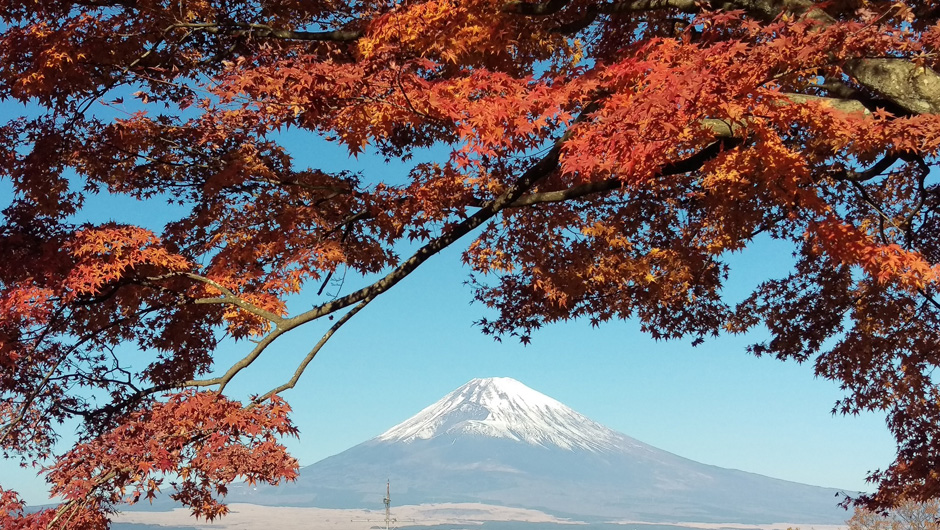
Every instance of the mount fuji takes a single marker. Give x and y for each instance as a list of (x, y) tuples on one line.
[(497, 441)]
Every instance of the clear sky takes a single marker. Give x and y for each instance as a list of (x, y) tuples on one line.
[(713, 403)]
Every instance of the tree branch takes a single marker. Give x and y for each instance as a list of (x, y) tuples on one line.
[(914, 88), (228, 297), (611, 8), (847, 105), (861, 176), (265, 31), (615, 8), (367, 294), (313, 352), (685, 165), (363, 296), (487, 211), (245, 362), (534, 9), (838, 89)]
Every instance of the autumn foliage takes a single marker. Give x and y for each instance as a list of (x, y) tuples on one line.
[(607, 157)]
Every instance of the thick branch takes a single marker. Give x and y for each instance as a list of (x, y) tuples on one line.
[(768, 10), (838, 89), (914, 88), (861, 176), (553, 6), (614, 8), (849, 106), (685, 165), (534, 9), (264, 31), (723, 130), (489, 210)]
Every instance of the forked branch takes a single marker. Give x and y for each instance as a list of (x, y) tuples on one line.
[(313, 352)]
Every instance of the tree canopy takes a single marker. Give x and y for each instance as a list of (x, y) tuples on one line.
[(605, 159)]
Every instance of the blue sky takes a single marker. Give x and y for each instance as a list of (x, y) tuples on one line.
[(713, 403)]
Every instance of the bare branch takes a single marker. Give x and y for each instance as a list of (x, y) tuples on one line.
[(231, 298), (245, 362), (313, 352), (861, 176)]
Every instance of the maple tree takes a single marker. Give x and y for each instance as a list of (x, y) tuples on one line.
[(608, 156)]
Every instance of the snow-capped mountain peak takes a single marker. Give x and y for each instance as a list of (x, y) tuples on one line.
[(501, 407)]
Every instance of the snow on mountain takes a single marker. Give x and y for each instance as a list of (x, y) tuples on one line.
[(501, 407)]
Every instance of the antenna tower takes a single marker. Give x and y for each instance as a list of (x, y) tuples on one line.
[(388, 504), (388, 511)]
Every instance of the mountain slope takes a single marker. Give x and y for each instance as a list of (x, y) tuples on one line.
[(497, 441)]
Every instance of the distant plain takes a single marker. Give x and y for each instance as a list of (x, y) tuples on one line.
[(447, 516)]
